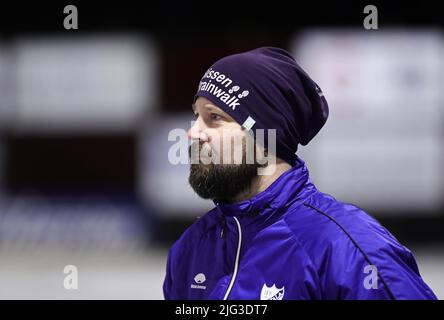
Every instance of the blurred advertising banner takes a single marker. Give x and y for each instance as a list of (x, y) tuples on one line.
[(382, 145), (78, 83)]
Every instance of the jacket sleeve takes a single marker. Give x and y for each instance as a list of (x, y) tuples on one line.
[(387, 272), (168, 281)]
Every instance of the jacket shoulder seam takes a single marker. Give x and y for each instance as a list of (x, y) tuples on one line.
[(300, 245), (366, 257)]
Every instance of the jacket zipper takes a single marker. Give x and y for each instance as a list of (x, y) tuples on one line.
[(236, 262)]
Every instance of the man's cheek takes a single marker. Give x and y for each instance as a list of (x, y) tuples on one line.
[(212, 149), (205, 154), (232, 149)]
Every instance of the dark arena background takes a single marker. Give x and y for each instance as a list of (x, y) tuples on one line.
[(86, 112)]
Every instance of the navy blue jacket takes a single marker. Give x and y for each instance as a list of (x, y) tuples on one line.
[(291, 241)]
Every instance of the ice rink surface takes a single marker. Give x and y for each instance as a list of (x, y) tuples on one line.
[(138, 274)]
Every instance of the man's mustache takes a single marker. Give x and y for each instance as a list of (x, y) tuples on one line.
[(196, 149)]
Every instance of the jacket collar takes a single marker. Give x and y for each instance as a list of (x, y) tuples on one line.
[(288, 186)]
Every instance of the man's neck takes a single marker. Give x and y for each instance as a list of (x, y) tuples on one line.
[(262, 182)]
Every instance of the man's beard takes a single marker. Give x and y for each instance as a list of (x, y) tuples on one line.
[(222, 182)]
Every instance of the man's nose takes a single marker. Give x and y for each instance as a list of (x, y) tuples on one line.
[(196, 132)]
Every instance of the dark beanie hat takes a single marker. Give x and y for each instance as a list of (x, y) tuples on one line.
[(266, 89)]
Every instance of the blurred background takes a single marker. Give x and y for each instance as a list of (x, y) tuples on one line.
[(85, 116)]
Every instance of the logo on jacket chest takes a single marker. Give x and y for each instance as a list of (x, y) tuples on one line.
[(272, 293), (199, 279)]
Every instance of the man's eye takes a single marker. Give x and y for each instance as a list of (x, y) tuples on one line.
[(215, 117)]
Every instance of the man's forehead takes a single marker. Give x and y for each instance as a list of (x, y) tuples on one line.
[(207, 105)]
